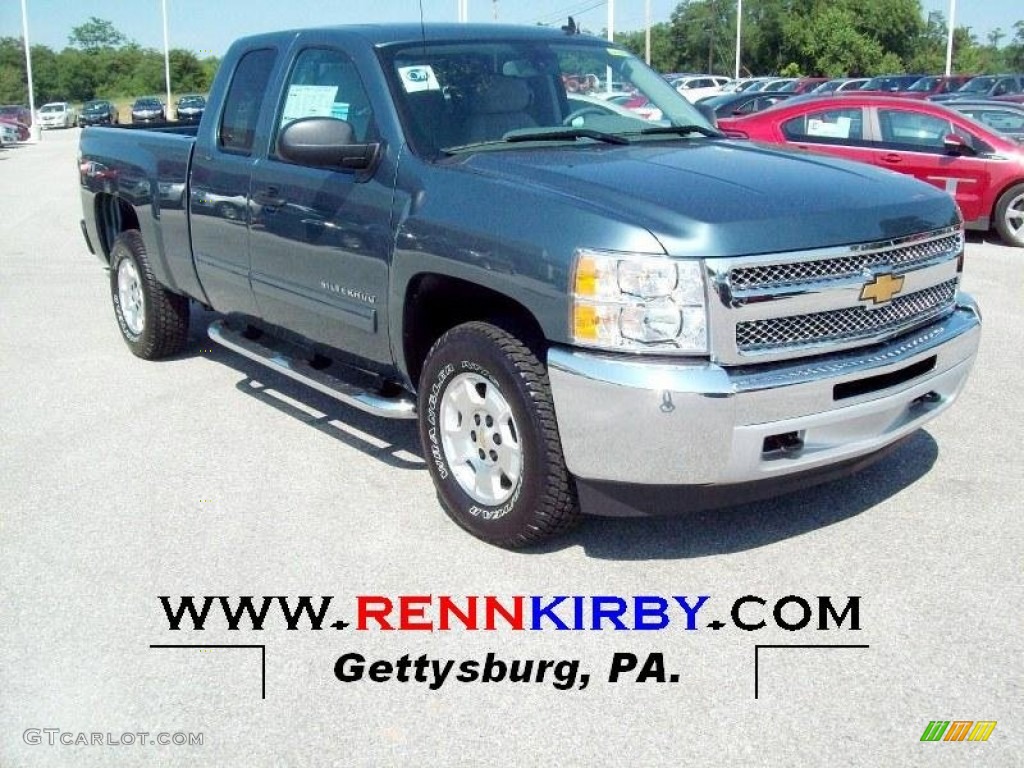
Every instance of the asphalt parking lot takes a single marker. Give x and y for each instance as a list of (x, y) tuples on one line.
[(204, 475)]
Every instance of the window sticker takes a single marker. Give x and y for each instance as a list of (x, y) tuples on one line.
[(339, 110), (840, 129), (419, 78), (309, 101)]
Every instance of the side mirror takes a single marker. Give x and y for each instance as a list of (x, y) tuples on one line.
[(325, 142), (957, 144)]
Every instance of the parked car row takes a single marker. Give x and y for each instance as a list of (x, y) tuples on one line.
[(62, 114)]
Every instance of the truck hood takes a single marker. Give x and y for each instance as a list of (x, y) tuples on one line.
[(728, 198)]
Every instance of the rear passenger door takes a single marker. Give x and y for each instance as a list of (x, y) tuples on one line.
[(219, 187), (320, 237)]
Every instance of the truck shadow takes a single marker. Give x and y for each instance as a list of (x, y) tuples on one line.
[(393, 442), (758, 524), (686, 535)]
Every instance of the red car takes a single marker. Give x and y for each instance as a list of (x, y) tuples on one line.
[(21, 128), (984, 171)]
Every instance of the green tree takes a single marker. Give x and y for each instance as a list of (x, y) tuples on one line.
[(1014, 54), (96, 34), (828, 43)]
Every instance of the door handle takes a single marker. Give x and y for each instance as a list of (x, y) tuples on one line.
[(891, 157)]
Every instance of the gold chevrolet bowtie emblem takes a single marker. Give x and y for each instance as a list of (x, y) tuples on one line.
[(881, 288)]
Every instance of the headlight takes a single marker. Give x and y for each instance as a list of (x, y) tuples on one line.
[(638, 303)]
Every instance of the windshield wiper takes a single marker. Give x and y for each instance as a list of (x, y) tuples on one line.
[(561, 134), (681, 130)]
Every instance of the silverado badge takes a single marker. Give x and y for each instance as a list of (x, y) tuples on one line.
[(881, 288)]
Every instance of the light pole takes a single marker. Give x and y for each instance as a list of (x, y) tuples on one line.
[(611, 39), (34, 132), (949, 37), (647, 35), (167, 62), (739, 29)]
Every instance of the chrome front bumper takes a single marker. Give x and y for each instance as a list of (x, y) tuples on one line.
[(655, 422)]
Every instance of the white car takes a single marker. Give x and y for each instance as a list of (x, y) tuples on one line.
[(695, 88), (57, 114)]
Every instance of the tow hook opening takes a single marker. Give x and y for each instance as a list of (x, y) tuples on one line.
[(928, 398), (786, 444)]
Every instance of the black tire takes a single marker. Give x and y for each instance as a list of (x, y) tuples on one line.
[(1010, 216), (489, 361), (153, 321)]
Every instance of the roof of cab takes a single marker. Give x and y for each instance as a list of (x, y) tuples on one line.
[(386, 34)]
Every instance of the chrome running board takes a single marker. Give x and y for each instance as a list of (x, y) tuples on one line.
[(401, 407)]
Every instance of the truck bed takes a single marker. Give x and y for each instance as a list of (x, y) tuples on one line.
[(142, 173)]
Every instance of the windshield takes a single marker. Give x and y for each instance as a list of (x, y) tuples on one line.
[(147, 104), (926, 84), (191, 101), (95, 106), (978, 85), (454, 96), (52, 108)]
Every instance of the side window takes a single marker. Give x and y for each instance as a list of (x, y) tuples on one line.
[(829, 126), (244, 100), (1003, 121), (913, 131), (325, 83)]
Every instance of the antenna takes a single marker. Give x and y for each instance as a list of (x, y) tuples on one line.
[(571, 28)]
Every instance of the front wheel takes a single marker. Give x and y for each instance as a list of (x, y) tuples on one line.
[(489, 436), (153, 321), (1010, 216)]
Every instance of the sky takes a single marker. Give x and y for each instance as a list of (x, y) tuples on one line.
[(208, 27)]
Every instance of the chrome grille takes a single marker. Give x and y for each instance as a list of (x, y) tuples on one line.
[(846, 324), (841, 267)]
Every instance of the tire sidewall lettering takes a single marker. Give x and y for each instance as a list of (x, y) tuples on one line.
[(433, 400)]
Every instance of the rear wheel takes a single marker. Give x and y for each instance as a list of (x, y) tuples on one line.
[(1010, 216), (153, 321), (487, 425)]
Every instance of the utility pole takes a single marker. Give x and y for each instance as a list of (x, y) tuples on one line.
[(494, 9)]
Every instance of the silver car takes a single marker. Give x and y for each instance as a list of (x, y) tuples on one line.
[(57, 114)]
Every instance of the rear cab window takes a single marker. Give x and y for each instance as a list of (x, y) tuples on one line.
[(237, 130)]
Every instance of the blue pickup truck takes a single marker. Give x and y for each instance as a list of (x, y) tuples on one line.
[(586, 311)]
